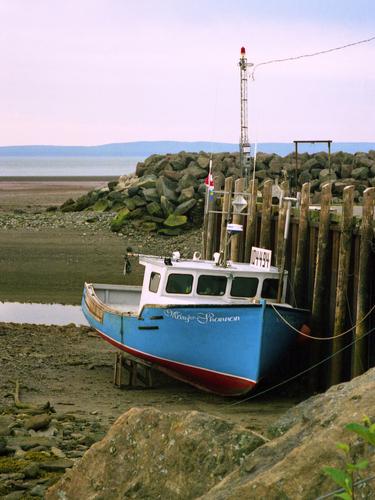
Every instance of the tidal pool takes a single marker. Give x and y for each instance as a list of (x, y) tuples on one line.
[(41, 314)]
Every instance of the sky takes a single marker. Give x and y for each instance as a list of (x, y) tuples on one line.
[(87, 72)]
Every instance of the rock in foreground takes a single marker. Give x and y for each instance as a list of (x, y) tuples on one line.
[(151, 454)]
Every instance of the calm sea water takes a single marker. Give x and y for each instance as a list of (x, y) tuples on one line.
[(67, 166)]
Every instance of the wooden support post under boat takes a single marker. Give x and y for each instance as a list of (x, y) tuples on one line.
[(318, 300), (360, 352), (228, 187), (265, 230), (342, 284), (134, 367), (299, 285), (251, 219), (236, 239)]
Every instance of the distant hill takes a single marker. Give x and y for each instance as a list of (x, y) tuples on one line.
[(147, 148)]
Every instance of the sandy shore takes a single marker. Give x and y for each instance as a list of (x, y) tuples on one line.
[(41, 192)]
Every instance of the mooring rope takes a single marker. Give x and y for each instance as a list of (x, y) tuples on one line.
[(322, 338), (293, 377)]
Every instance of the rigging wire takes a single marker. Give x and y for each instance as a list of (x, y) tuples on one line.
[(312, 54)]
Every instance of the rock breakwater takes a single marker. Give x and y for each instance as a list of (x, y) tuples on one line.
[(166, 192)]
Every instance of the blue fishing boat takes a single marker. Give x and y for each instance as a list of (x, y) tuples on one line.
[(218, 327)]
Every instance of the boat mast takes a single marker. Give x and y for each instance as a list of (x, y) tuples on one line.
[(244, 137)]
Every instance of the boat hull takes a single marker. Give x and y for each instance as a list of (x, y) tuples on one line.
[(221, 349)]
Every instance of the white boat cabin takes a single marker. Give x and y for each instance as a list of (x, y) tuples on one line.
[(179, 281)]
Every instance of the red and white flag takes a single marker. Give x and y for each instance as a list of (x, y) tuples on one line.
[(209, 180)]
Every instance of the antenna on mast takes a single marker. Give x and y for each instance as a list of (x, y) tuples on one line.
[(245, 160)]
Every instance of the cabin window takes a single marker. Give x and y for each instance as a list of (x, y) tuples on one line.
[(154, 282), (211, 285), (270, 288), (244, 287), (179, 283)]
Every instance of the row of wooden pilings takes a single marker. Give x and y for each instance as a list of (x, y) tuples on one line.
[(330, 258)]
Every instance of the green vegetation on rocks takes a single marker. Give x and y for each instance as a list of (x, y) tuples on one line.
[(175, 221)]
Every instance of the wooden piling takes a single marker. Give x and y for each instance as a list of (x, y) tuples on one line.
[(360, 349), (228, 187), (321, 259), (236, 239), (280, 250), (299, 285), (251, 219), (342, 285), (265, 230), (318, 316)]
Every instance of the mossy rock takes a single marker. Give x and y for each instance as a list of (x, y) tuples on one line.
[(120, 219), (68, 206), (151, 218), (135, 214), (139, 202), (174, 221), (149, 226), (82, 202), (101, 205), (117, 206), (112, 184), (170, 231), (115, 196), (154, 209), (130, 203)]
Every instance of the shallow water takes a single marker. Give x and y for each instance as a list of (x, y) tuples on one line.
[(41, 314), (67, 166)]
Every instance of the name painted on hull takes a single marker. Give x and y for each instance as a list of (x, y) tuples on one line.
[(201, 318)]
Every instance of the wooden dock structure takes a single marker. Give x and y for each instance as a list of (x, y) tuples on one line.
[(330, 259)]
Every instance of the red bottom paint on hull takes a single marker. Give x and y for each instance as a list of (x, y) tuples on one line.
[(207, 380)]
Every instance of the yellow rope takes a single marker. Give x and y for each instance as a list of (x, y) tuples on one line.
[(322, 338)]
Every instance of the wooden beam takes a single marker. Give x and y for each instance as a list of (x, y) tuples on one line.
[(360, 348), (299, 275), (265, 230), (342, 284), (251, 219)]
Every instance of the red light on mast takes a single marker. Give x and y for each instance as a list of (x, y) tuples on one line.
[(243, 51)]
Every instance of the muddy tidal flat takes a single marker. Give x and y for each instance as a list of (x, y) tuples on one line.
[(46, 256)]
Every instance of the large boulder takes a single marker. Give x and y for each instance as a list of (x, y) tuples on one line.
[(185, 207), (120, 219), (186, 194), (175, 220), (166, 206), (187, 181), (306, 438), (154, 209), (360, 173), (147, 182), (203, 161), (166, 187), (148, 453), (151, 194), (195, 170), (101, 206)]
